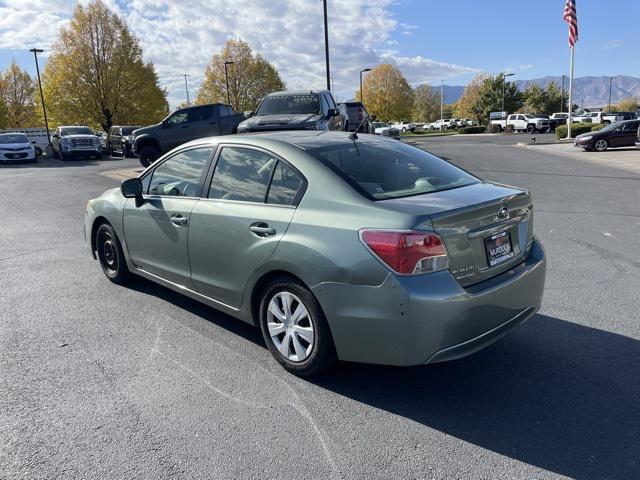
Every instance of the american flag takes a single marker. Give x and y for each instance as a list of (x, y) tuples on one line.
[(572, 19)]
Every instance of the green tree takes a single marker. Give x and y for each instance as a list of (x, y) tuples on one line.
[(490, 97), (466, 106), (388, 94), (627, 105), (17, 91), (541, 101), (426, 104), (96, 74), (251, 77)]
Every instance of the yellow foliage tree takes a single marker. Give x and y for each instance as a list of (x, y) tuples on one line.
[(627, 105), (387, 94), (17, 91), (251, 77), (96, 74), (426, 104), (466, 106)]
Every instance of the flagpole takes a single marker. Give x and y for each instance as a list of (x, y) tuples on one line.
[(569, 120)]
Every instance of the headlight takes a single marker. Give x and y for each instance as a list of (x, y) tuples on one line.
[(588, 137), (65, 141), (89, 203)]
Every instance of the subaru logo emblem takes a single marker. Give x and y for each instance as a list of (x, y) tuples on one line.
[(503, 213)]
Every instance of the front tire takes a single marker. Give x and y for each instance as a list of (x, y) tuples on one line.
[(295, 328), (148, 155), (601, 145), (111, 255), (531, 129)]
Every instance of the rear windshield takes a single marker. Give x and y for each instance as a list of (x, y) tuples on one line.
[(296, 104), (13, 138), (388, 169), (75, 131)]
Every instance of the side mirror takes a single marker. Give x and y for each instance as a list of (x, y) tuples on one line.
[(132, 188), (248, 114), (333, 112)]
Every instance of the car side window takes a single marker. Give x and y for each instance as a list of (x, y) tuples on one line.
[(180, 175), (285, 185), (225, 111), (177, 118), (199, 114), (242, 174)]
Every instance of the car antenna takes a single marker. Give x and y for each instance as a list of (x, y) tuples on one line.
[(354, 135)]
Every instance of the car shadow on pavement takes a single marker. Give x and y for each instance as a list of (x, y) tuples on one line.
[(560, 396), (57, 163)]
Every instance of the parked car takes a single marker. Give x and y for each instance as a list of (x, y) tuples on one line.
[(386, 130), (16, 147), (356, 113), (560, 118), (183, 126), (120, 137), (443, 124), (638, 137), (300, 110), (618, 134), (361, 249), (75, 141), (524, 122), (404, 126), (468, 122)]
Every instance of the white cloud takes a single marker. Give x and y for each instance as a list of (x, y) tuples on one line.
[(181, 36), (526, 66)]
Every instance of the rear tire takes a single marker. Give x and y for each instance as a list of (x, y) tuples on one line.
[(297, 330), (600, 145), (148, 155), (111, 255), (531, 129)]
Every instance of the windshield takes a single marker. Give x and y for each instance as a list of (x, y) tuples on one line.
[(128, 130), (295, 104), (382, 170), (75, 131), (13, 138)]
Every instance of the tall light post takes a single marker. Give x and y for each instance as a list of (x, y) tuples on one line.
[(504, 81), (361, 92), (610, 83), (226, 77), (562, 95), (36, 51), (186, 89), (441, 104), (326, 44)]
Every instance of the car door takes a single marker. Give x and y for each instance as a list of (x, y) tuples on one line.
[(250, 203), (203, 121), (156, 232), (177, 129), (628, 136)]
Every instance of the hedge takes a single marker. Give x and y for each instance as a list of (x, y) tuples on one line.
[(600, 126), (576, 129), (476, 129)]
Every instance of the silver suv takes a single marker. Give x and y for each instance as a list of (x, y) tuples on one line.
[(77, 141)]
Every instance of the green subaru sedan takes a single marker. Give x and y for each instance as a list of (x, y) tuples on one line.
[(338, 246)]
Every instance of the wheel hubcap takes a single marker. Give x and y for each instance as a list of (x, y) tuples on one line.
[(290, 326), (108, 253), (600, 145)]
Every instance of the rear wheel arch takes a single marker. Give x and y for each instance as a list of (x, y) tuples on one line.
[(261, 284)]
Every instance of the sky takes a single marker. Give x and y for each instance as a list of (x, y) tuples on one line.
[(429, 40)]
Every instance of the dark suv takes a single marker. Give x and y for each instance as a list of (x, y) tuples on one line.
[(183, 126), (119, 141), (297, 111)]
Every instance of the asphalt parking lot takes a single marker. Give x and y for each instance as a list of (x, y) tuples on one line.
[(101, 381)]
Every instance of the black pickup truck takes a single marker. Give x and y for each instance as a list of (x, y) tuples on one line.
[(183, 126)]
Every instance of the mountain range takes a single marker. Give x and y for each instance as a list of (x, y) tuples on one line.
[(587, 91)]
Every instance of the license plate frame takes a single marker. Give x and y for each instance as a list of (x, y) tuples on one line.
[(498, 248)]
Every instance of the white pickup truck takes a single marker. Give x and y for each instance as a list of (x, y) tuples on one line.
[(444, 124), (404, 126), (524, 122)]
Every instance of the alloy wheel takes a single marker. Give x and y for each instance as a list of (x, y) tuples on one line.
[(290, 326), (601, 145)]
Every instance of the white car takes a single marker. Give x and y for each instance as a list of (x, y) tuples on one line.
[(445, 123), (404, 126), (524, 122), (16, 147), (386, 130)]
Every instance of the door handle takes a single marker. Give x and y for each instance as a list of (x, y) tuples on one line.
[(178, 220), (261, 229)]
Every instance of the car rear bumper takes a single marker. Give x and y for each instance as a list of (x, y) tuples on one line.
[(421, 319)]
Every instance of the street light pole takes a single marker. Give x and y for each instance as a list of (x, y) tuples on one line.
[(226, 76), (562, 95), (186, 89), (610, 82), (326, 44), (441, 103), (361, 92), (504, 82), (36, 51)]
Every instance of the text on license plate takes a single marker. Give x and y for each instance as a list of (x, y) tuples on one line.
[(498, 248)]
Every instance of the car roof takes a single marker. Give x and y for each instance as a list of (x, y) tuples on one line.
[(296, 92)]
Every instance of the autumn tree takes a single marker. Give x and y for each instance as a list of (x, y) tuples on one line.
[(467, 105), (387, 93), (3, 113), (627, 105), (17, 91), (96, 74), (251, 77), (426, 104)]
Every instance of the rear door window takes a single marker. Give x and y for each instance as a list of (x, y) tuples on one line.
[(242, 174), (286, 186)]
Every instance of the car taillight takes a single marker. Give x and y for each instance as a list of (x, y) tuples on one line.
[(407, 252)]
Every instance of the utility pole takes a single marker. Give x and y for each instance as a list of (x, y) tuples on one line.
[(504, 82), (562, 95), (610, 83), (186, 89), (36, 51), (226, 76), (361, 92), (326, 44)]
